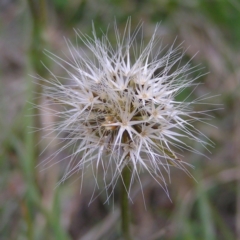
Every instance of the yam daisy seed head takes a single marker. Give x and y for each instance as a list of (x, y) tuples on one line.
[(120, 109)]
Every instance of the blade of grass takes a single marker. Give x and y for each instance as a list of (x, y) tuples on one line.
[(205, 214)]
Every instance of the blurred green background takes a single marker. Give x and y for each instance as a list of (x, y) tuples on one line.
[(30, 205)]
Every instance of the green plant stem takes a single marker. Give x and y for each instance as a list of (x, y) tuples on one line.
[(125, 212), (38, 16), (31, 152)]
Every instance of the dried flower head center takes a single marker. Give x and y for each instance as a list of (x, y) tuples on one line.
[(129, 147), (155, 113), (109, 120), (144, 133)]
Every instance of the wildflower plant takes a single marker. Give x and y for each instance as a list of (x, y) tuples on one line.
[(118, 109)]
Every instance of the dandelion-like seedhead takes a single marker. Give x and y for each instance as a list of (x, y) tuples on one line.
[(119, 108)]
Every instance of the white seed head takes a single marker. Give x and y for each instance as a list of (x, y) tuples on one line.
[(121, 107)]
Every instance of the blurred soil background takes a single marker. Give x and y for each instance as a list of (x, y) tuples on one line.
[(32, 208)]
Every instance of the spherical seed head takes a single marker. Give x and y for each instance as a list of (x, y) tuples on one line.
[(121, 108)]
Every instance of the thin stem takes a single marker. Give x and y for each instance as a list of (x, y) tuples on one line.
[(38, 11), (31, 152), (125, 212)]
